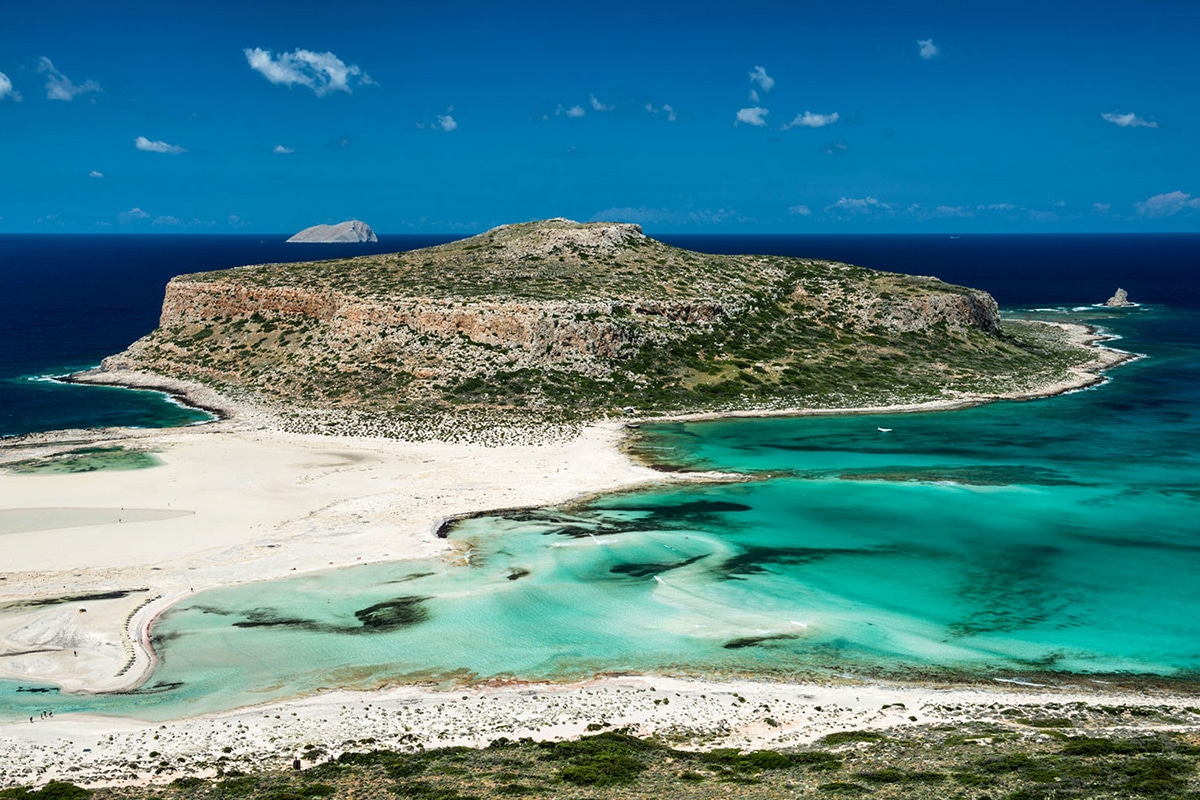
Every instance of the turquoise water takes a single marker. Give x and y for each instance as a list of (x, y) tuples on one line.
[(1011, 540)]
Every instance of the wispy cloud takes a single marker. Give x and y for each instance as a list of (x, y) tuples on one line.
[(321, 72), (1102, 208), (927, 49), (1130, 120), (802, 211), (858, 205), (142, 143), (952, 211), (575, 111), (811, 120), (446, 122), (95, 174), (283, 151), (1167, 205), (132, 215), (665, 109), (665, 216), (752, 116), (59, 86), (7, 91), (760, 76), (598, 106)]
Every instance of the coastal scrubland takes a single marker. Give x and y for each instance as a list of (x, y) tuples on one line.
[(973, 761)]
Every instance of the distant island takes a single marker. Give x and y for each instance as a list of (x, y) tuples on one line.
[(560, 323), (344, 232)]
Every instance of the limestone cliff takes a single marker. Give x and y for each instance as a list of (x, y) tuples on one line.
[(563, 320)]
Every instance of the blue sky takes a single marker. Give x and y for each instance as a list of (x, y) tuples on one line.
[(790, 117)]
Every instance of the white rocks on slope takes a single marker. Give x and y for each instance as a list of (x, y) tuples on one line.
[(350, 231)]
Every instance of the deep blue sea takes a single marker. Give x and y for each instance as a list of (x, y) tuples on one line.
[(1018, 540)]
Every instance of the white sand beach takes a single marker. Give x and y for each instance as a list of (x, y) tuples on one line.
[(235, 501)]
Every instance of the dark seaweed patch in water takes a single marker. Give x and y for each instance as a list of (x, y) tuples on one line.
[(1014, 591), (693, 507), (391, 614), (399, 612), (412, 576), (968, 476), (162, 687), (516, 573), (756, 641), (753, 560), (38, 689), (646, 569), (1129, 541)]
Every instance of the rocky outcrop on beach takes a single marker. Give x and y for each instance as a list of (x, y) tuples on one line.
[(1119, 300), (341, 233), (558, 320)]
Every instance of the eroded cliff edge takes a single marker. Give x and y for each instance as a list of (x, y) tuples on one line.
[(561, 322)]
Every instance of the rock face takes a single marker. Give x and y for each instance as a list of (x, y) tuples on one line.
[(350, 231), (1119, 300), (575, 320)]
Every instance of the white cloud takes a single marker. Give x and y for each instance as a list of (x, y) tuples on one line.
[(168, 221), (927, 48), (597, 105), (953, 211), (6, 89), (142, 143), (858, 205), (998, 207), (283, 151), (753, 97), (760, 76), (666, 109), (132, 215), (803, 211), (235, 221), (1167, 205), (575, 111), (95, 174), (59, 86), (752, 116), (321, 72), (1102, 208), (811, 120), (1130, 120), (653, 216), (446, 122)]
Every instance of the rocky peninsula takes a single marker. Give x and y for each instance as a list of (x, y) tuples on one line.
[(557, 323)]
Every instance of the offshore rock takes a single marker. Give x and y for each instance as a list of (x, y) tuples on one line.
[(349, 231), (1119, 300)]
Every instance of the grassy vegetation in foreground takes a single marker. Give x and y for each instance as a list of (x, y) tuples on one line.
[(974, 761)]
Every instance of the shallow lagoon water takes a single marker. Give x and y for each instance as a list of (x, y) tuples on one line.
[(1014, 539)]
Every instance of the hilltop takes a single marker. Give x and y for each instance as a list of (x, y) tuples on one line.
[(556, 322)]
